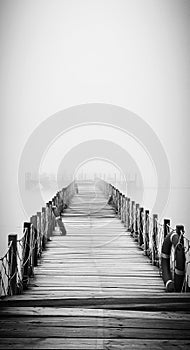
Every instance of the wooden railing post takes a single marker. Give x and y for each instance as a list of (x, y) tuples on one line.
[(43, 228), (166, 227), (141, 227), (147, 227), (136, 222), (133, 218), (114, 198), (119, 208), (33, 221), (180, 262), (57, 200), (47, 222), (51, 228), (122, 208), (154, 239), (12, 264), (128, 216), (125, 211), (39, 233), (26, 255), (110, 190), (117, 201)]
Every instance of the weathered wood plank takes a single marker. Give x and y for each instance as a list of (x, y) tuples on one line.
[(91, 344), (152, 303), (80, 312), (95, 289), (84, 321), (92, 287), (90, 332)]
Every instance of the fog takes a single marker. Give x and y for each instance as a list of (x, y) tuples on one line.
[(56, 54)]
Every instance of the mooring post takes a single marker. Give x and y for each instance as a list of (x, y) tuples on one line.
[(166, 227), (141, 225), (147, 227), (12, 239), (154, 239), (26, 256)]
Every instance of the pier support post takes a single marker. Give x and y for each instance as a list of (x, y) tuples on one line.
[(39, 233), (154, 239), (12, 264), (147, 227), (141, 226), (47, 222), (123, 207), (117, 201), (179, 260), (27, 271), (33, 221), (51, 227), (132, 218), (125, 211), (120, 205), (128, 216), (43, 228), (136, 222)]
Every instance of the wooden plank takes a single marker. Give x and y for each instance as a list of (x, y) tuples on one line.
[(91, 344), (84, 294), (88, 277), (31, 331), (152, 303), (80, 312), (93, 322), (90, 287)]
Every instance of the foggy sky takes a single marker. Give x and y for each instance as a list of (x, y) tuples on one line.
[(60, 53)]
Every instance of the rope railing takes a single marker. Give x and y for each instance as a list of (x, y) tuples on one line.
[(148, 232), (18, 263)]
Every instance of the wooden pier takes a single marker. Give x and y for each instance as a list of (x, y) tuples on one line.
[(94, 287)]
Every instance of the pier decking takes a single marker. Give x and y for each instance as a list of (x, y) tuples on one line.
[(94, 288)]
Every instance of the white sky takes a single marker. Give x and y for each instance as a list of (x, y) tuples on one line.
[(60, 53)]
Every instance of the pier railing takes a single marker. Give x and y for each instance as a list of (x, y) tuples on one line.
[(148, 231), (17, 265)]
